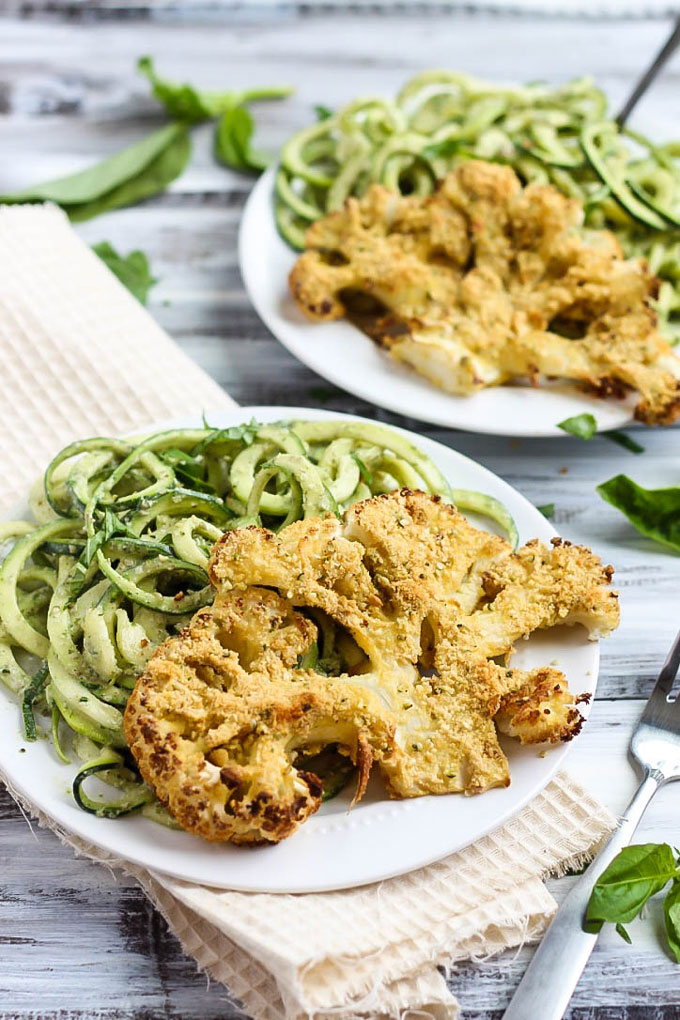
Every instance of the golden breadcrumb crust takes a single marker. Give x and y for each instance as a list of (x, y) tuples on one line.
[(484, 281), (218, 718)]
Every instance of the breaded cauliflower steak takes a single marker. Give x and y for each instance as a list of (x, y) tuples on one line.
[(222, 710), (484, 282)]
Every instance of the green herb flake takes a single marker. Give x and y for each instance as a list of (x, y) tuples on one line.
[(93, 543), (245, 434), (363, 470), (322, 112), (583, 426), (33, 693), (443, 149), (114, 526), (189, 469), (132, 270), (547, 509), (621, 439)]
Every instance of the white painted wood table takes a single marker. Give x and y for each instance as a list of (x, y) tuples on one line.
[(77, 941)]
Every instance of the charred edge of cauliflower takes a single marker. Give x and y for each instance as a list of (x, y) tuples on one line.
[(222, 712)]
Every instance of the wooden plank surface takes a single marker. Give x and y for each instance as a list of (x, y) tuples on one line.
[(76, 941)]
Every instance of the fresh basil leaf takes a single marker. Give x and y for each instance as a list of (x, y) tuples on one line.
[(141, 170), (132, 270), (621, 439), (635, 875), (154, 179), (671, 911), (547, 509), (654, 512), (583, 426), (322, 112), (620, 930), (97, 180), (233, 134)]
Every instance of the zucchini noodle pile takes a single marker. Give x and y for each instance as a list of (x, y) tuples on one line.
[(116, 563), (559, 136)]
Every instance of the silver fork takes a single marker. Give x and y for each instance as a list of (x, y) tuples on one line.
[(551, 977)]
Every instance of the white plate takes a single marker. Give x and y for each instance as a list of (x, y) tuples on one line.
[(335, 848), (348, 358)]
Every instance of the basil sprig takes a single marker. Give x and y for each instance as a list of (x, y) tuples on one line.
[(148, 167), (132, 270), (235, 127), (632, 878), (187, 103), (583, 426)]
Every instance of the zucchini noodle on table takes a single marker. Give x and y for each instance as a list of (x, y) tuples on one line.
[(117, 562), (559, 136)]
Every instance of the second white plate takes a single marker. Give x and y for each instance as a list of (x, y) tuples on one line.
[(345, 356)]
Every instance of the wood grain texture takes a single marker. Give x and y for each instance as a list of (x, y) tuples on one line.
[(76, 941)]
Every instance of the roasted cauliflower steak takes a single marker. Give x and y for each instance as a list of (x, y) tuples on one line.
[(484, 282), (425, 604)]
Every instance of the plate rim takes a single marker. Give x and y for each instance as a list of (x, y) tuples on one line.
[(263, 192), (45, 801)]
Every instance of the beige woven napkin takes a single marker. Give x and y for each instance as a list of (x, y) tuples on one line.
[(80, 356)]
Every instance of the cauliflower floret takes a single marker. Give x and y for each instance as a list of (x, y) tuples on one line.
[(424, 602), (483, 282)]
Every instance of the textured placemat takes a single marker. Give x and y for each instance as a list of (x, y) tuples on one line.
[(80, 356)]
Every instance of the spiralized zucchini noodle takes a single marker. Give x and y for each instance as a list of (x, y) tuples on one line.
[(560, 136), (116, 562)]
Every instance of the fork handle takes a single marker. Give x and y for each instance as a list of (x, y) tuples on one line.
[(557, 965)]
